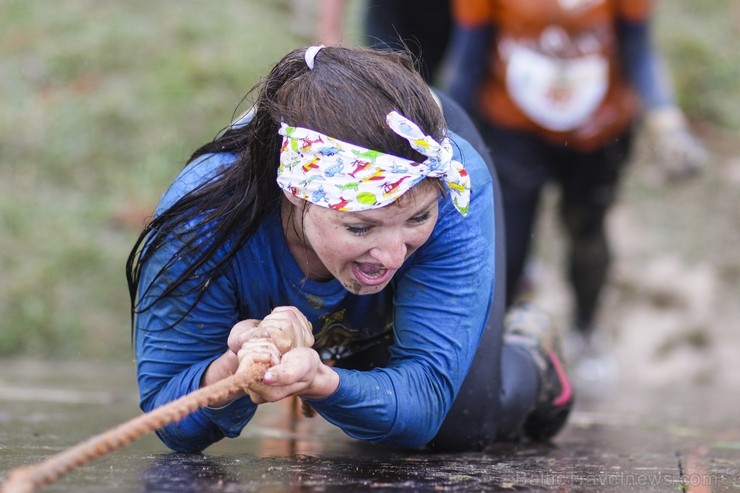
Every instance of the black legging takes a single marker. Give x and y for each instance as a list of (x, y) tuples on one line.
[(501, 387), (588, 183)]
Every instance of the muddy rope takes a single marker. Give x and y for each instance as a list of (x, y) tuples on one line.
[(27, 479)]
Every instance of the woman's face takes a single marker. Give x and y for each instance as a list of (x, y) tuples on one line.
[(363, 250)]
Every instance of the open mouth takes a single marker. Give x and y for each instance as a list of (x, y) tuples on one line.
[(371, 274)]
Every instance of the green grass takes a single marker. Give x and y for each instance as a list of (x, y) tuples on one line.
[(700, 40), (103, 101)]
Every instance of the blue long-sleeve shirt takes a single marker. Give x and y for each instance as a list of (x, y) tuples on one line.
[(435, 307)]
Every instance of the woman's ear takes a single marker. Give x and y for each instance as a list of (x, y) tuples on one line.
[(296, 201)]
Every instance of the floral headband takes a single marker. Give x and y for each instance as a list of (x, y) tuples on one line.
[(345, 177)]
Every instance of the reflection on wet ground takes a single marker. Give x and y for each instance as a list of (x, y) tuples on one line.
[(660, 441)]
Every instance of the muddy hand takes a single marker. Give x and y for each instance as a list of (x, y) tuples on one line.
[(677, 150), (256, 356), (285, 325), (289, 328)]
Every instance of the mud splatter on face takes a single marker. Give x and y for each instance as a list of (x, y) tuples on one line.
[(352, 286)]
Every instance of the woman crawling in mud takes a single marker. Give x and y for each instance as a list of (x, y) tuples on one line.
[(347, 233)]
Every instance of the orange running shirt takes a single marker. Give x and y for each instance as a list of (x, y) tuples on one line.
[(554, 68)]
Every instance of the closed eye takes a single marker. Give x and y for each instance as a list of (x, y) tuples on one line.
[(358, 230), (421, 218)]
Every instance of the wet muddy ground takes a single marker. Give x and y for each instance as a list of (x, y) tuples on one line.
[(682, 439)]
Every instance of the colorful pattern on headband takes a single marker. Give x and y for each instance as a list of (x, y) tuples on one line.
[(345, 177)]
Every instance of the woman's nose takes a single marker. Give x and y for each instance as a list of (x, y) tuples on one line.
[(391, 252)]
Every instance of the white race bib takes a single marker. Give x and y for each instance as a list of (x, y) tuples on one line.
[(558, 94)]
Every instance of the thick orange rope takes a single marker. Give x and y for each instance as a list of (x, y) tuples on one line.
[(28, 478)]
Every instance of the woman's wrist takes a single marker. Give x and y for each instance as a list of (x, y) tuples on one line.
[(325, 383), (222, 367)]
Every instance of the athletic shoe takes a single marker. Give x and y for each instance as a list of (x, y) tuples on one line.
[(531, 327), (592, 366)]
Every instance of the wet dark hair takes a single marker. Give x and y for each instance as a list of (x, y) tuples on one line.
[(347, 95)]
